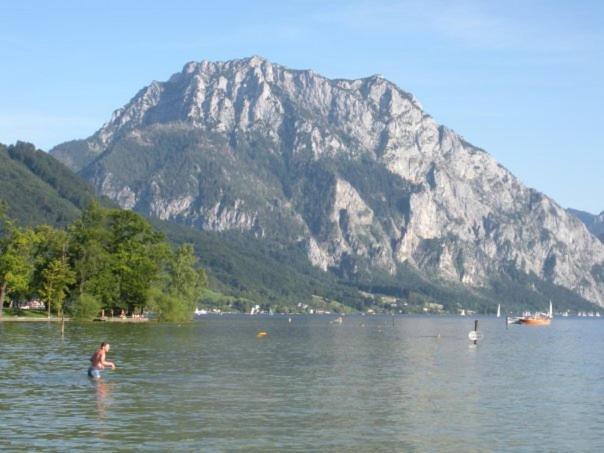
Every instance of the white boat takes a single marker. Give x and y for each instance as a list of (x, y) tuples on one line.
[(499, 310), (200, 312)]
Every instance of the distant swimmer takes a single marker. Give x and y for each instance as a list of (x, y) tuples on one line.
[(98, 361)]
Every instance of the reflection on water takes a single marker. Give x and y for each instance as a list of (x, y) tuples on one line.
[(369, 383), (103, 392)]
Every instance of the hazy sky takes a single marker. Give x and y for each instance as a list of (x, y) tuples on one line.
[(521, 79)]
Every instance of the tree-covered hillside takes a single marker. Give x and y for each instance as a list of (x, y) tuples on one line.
[(39, 189)]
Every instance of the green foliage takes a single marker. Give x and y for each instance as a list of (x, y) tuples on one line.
[(137, 255), (170, 308), (107, 259), (39, 189), (91, 256), (56, 279), (86, 307), (16, 265), (183, 286), (49, 244), (185, 281), (54, 173)]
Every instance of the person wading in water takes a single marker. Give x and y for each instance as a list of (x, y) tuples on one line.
[(98, 362)]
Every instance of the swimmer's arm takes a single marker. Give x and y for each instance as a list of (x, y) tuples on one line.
[(105, 363), (111, 364)]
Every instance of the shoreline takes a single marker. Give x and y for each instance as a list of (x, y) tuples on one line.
[(122, 320), (31, 319)]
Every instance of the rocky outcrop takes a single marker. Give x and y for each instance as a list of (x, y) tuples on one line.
[(594, 223), (353, 169)]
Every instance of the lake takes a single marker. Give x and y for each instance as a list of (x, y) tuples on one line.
[(372, 383)]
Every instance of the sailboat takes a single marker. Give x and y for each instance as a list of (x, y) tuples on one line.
[(499, 310), (538, 319)]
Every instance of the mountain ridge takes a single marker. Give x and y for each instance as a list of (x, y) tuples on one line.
[(354, 170), (593, 222), (39, 189)]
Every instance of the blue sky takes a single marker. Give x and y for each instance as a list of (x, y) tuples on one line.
[(521, 79)]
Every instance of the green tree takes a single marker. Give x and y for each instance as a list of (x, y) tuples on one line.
[(49, 244), (183, 286), (184, 280), (90, 243), (16, 266), (56, 279), (86, 306), (138, 255), (108, 258)]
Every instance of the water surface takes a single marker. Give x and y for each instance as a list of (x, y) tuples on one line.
[(372, 383)]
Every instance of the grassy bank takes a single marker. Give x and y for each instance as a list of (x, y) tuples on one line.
[(8, 314)]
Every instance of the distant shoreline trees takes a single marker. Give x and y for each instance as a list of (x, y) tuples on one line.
[(108, 259)]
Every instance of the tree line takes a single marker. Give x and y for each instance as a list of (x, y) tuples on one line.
[(108, 260)]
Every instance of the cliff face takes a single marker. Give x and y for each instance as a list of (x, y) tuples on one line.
[(353, 169), (593, 222)]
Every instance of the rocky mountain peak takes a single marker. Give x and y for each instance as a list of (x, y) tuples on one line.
[(352, 169), (254, 93)]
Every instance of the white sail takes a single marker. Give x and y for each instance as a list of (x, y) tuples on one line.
[(499, 310), (551, 310)]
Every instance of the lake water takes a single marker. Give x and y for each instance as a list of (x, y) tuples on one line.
[(372, 383)]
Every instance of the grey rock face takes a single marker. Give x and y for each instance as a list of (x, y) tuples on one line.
[(593, 222), (354, 169)]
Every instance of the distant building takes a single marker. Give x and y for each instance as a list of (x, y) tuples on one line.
[(33, 304)]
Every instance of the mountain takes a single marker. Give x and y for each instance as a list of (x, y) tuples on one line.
[(39, 189), (352, 171), (594, 223)]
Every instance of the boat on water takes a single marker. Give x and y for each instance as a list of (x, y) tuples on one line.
[(499, 310), (537, 319)]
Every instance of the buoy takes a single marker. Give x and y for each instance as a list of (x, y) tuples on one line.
[(261, 334)]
